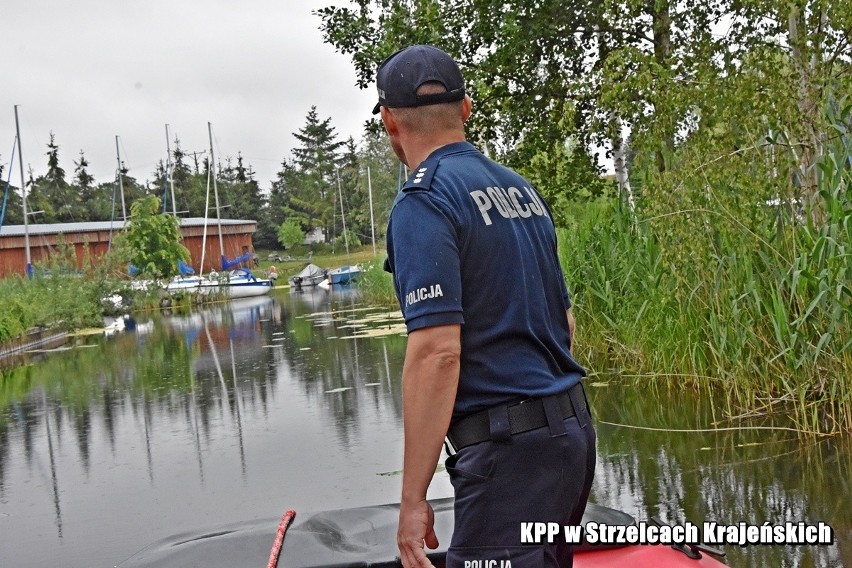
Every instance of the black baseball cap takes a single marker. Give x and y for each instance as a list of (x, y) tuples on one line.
[(400, 75)]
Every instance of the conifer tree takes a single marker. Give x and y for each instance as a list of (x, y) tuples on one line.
[(49, 197), (311, 192), (84, 187), (190, 184), (353, 202), (246, 201), (40, 202)]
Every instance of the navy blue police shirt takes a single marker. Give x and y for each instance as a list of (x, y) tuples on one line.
[(471, 242)]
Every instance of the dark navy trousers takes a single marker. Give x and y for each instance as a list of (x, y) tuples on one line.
[(543, 475)]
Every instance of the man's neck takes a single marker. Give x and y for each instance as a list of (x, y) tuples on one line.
[(417, 152)]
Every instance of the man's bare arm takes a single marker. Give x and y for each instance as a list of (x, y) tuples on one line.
[(430, 379), (571, 324)]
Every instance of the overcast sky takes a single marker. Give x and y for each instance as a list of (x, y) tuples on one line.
[(91, 70)]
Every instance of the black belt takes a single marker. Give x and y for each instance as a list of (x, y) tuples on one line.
[(523, 416)]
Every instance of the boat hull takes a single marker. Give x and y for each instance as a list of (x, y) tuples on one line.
[(298, 281), (236, 286), (343, 275), (248, 289)]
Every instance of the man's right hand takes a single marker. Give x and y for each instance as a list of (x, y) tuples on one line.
[(416, 528)]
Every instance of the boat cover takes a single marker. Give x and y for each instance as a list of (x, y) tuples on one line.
[(184, 269), (229, 264), (309, 273)]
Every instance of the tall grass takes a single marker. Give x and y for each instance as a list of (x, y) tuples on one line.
[(59, 300), (708, 283), (59, 296), (376, 285)]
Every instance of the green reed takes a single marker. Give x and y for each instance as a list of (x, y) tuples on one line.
[(376, 285), (703, 282), (61, 295), (62, 301)]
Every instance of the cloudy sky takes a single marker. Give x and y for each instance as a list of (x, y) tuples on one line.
[(91, 70)]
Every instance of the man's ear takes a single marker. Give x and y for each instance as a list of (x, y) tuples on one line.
[(391, 127), (467, 106)]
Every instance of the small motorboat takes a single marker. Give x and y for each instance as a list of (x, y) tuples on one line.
[(343, 275), (366, 536), (311, 275)]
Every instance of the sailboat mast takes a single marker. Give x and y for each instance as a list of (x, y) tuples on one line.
[(372, 223), (215, 190), (169, 169), (29, 266), (120, 181), (204, 233), (342, 215)]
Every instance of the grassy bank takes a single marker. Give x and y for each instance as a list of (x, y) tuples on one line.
[(58, 297)]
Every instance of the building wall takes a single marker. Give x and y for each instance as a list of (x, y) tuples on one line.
[(42, 246), (236, 239)]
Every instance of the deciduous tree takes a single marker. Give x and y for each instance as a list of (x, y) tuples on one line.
[(153, 239), (290, 233)]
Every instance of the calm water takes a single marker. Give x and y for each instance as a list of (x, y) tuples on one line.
[(240, 411)]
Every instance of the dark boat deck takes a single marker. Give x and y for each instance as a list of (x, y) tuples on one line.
[(359, 537)]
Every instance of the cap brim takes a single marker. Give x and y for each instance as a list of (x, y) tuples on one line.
[(377, 108)]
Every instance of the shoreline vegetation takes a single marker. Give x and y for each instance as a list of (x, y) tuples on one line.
[(750, 299), (61, 297)]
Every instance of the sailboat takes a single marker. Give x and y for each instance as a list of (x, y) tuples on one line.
[(233, 283), (344, 274)]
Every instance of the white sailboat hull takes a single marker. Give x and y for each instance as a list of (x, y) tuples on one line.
[(239, 285)]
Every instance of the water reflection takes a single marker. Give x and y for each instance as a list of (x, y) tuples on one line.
[(186, 421), (756, 473), (210, 416)]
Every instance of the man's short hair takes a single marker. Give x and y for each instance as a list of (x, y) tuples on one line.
[(430, 118)]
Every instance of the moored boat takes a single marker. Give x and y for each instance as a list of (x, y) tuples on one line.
[(311, 275), (231, 282), (366, 536), (239, 283), (343, 275)]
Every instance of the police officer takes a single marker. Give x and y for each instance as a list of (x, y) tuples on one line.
[(472, 249)]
